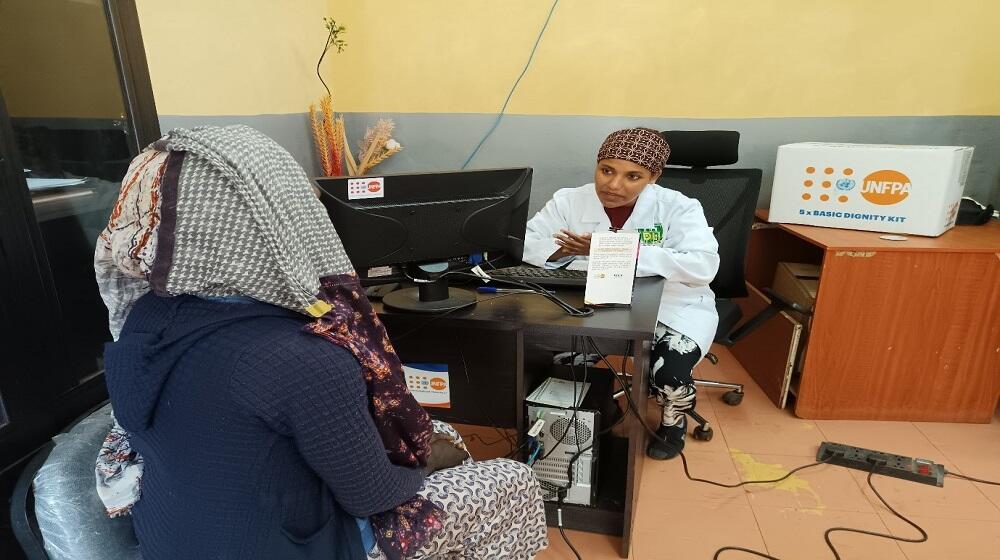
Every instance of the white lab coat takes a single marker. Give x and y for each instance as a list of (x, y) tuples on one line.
[(688, 255)]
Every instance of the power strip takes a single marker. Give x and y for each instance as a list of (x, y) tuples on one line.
[(923, 471)]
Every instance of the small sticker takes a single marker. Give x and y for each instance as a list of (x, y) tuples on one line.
[(894, 237), (429, 384), (478, 271), (651, 236), (378, 271), (372, 187)]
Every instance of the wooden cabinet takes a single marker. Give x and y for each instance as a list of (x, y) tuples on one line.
[(902, 330)]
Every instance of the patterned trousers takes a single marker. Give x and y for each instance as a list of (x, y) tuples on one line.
[(672, 360), (493, 510)]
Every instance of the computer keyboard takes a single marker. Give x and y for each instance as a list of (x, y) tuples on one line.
[(556, 277)]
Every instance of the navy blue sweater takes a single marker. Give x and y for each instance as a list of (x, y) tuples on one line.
[(256, 436)]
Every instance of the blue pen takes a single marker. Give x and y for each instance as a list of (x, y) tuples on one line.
[(495, 290)]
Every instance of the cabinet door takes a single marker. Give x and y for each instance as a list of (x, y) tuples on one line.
[(75, 107), (68, 117)]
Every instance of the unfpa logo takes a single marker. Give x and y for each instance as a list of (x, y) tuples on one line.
[(824, 178), (438, 384), (885, 187)]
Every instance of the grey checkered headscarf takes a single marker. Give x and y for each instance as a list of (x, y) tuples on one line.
[(227, 212), (217, 211)]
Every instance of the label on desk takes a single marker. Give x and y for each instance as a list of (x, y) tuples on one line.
[(611, 268), (429, 384)]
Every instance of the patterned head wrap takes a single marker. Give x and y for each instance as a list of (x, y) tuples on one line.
[(228, 212), (642, 146)]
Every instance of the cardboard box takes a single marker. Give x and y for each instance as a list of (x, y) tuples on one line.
[(798, 283), (896, 189)]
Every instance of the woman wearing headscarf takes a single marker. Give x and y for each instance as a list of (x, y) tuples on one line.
[(261, 409), (676, 243)]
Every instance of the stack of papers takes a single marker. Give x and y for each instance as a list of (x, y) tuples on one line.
[(611, 268)]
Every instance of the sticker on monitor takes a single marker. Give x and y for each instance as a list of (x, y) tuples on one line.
[(372, 187)]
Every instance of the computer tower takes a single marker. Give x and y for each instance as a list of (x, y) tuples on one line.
[(563, 436)]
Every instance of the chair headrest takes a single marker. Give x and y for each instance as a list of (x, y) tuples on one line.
[(702, 148)]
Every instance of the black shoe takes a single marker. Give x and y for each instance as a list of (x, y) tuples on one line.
[(672, 442)]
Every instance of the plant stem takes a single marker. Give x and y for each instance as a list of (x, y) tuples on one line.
[(320, 61)]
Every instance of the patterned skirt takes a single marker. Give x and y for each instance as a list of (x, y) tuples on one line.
[(493, 510)]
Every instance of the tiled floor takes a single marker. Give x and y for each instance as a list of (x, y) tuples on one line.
[(679, 519)]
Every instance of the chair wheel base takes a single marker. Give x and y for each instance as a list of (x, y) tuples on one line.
[(732, 398), (702, 434)]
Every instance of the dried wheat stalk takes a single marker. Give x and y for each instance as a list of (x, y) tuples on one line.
[(319, 138)]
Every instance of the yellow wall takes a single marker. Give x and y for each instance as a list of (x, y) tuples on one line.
[(210, 57), (56, 60), (659, 58), (683, 58)]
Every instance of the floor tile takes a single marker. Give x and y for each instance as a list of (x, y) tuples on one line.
[(948, 539), (794, 534), (958, 499), (960, 442), (695, 530), (772, 432), (983, 468), (591, 546), (819, 488)]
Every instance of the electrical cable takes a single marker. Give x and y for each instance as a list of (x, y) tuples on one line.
[(503, 109), (745, 482), (568, 543), (514, 452), (923, 534), (741, 549), (572, 420), (561, 493), (969, 478), (536, 288)]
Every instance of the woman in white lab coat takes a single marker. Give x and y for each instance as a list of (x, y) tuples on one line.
[(676, 243)]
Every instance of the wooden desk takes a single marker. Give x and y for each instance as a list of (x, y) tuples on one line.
[(902, 330), (495, 359)]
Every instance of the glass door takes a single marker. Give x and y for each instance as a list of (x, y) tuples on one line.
[(59, 75)]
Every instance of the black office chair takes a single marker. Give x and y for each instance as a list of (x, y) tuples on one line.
[(729, 198)]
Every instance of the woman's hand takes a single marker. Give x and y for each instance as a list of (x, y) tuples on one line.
[(445, 454), (571, 244)]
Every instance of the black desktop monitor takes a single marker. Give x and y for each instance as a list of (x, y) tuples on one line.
[(422, 221)]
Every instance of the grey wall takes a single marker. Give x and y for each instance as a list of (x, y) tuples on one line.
[(561, 149)]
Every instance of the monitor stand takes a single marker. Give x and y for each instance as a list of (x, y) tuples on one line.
[(431, 295)]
